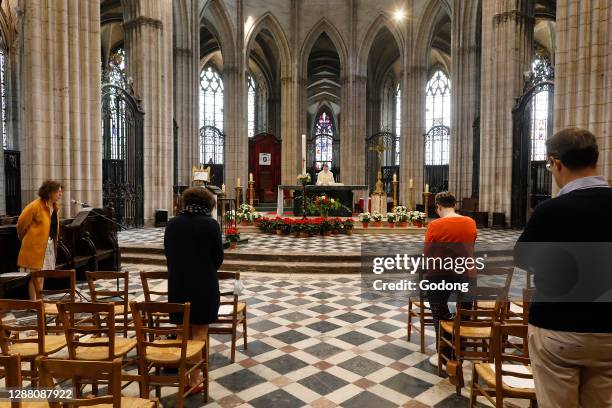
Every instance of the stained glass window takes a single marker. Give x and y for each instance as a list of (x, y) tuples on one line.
[(251, 107), (398, 123), (5, 140), (211, 146), (324, 139), (211, 98), (437, 113), (539, 116)]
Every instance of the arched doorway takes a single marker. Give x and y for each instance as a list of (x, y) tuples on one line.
[(122, 149), (532, 124)]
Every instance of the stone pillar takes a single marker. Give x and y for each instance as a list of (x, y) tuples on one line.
[(186, 86), (465, 95), (235, 112), (583, 72), (507, 41), (148, 40), (413, 129), (60, 94)]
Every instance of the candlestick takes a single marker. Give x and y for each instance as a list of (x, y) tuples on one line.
[(303, 153), (395, 183), (251, 191), (425, 201), (238, 196), (411, 198), (394, 177), (238, 182)]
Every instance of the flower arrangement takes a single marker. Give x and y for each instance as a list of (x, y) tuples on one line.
[(304, 178), (365, 217), (391, 217), (246, 214), (323, 206), (417, 218), (307, 227), (400, 209), (230, 215), (376, 216), (233, 236)]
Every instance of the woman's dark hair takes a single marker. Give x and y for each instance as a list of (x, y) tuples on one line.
[(47, 188), (576, 148), (446, 199), (199, 196)]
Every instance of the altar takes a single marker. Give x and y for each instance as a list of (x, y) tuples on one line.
[(343, 193)]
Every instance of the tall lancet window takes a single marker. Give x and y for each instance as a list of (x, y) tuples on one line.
[(3, 119), (398, 123), (211, 116), (211, 98), (324, 140), (539, 126), (251, 93), (437, 119)]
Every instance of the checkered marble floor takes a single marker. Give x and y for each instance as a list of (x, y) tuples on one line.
[(499, 239), (314, 342)]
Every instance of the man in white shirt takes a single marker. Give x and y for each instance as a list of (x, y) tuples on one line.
[(325, 177)]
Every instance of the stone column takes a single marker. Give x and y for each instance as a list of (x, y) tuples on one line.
[(60, 94), (507, 41), (148, 40), (235, 112), (186, 86), (583, 72), (465, 95)]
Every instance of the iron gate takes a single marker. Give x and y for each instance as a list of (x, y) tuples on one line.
[(435, 171), (12, 182), (212, 152), (531, 182), (122, 152)]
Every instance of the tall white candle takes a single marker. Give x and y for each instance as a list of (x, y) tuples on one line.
[(250, 176), (223, 187), (410, 184), (303, 153), (238, 182), (427, 188), (394, 177)]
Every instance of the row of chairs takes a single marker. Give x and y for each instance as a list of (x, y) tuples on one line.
[(89, 329), (484, 327)]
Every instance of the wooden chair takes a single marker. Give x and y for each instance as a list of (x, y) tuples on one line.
[(28, 347), (232, 313), (146, 277), (11, 371), (500, 377), (57, 295), (156, 351), (470, 331), (419, 309), (91, 371), (119, 297)]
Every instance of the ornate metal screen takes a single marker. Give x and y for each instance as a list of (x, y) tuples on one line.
[(212, 151), (436, 158), (122, 151), (389, 143), (12, 181), (532, 124)]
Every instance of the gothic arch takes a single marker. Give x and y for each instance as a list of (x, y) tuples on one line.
[(323, 26), (269, 22), (221, 26), (380, 23), (434, 11)]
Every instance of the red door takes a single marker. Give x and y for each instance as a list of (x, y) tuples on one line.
[(264, 163)]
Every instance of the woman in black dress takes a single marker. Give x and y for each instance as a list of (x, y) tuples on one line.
[(194, 253)]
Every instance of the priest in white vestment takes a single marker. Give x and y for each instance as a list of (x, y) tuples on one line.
[(325, 177)]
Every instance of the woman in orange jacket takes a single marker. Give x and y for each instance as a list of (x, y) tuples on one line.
[(38, 230)]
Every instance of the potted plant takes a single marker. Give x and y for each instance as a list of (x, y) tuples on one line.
[(417, 218), (296, 227), (402, 219), (325, 226), (232, 235), (391, 217), (256, 218), (348, 226), (305, 229), (377, 219), (365, 219), (336, 226)]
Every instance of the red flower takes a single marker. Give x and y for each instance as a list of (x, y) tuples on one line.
[(231, 231)]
